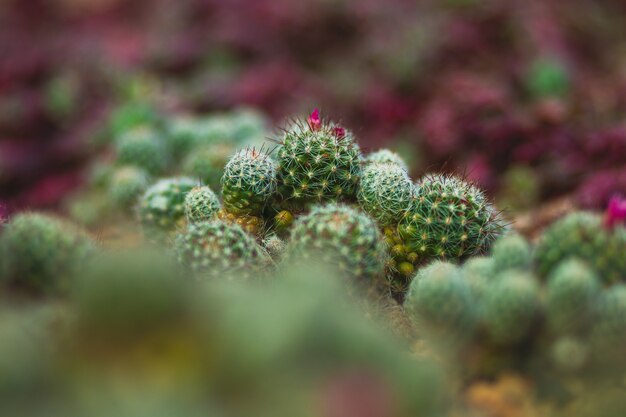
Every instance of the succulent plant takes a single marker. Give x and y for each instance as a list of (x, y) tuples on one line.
[(449, 218), (142, 147), (317, 161), (201, 204), (583, 235), (218, 249), (479, 271), (248, 182), (162, 206), (40, 253), (386, 156), (207, 163), (274, 245), (341, 236), (183, 134), (609, 327), (386, 192), (127, 184), (440, 301), (511, 251), (511, 306), (573, 292), (130, 116)]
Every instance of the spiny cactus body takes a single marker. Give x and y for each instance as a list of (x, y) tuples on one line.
[(162, 207), (385, 156), (510, 308), (248, 182), (40, 253), (207, 162), (317, 161), (143, 148), (449, 219), (127, 184), (583, 235), (609, 329), (386, 192), (479, 271), (342, 236), (572, 295), (201, 204), (511, 251), (215, 249)]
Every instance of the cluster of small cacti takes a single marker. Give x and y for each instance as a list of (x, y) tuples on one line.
[(523, 303)]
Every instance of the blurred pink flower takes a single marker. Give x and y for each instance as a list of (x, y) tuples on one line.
[(615, 212)]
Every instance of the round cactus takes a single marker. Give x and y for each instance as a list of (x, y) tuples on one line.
[(478, 272), (40, 253), (248, 183), (511, 251), (342, 236), (248, 124), (162, 206), (449, 219), (201, 204), (609, 327), (582, 235), (207, 163), (385, 156), (572, 293), (214, 249), (386, 192), (317, 162), (274, 245), (510, 307), (144, 148), (440, 301), (183, 135), (127, 184)]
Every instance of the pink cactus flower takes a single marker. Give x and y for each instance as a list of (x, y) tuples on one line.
[(339, 132), (615, 212), (314, 120)]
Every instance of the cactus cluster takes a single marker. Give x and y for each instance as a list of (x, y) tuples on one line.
[(162, 206), (144, 148), (201, 204)]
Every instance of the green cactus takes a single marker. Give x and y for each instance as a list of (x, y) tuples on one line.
[(201, 204), (162, 206), (184, 133), (449, 218), (207, 163), (511, 251), (572, 294), (440, 301), (341, 236), (582, 235), (248, 125), (248, 182), (127, 184), (40, 253), (142, 147), (317, 162), (569, 353), (511, 306), (386, 192), (386, 156), (130, 116), (217, 249), (479, 271), (609, 327)]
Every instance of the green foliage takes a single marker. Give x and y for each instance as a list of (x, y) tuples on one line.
[(511, 307), (511, 251), (218, 249), (386, 192), (548, 77), (201, 204), (162, 206), (449, 218), (40, 253), (317, 164), (248, 182), (573, 292), (341, 236), (131, 115), (582, 235), (127, 184), (142, 147)]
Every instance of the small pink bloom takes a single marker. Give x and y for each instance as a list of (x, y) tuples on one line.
[(314, 120), (339, 132), (615, 212)]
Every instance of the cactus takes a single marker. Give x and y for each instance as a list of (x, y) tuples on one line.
[(144, 148), (449, 219), (386, 192), (609, 327), (572, 294), (511, 251), (183, 135), (385, 156), (214, 249), (207, 163), (317, 161), (201, 204), (274, 245), (478, 272), (342, 236), (40, 253), (440, 302), (248, 182), (162, 206), (511, 306), (127, 184), (582, 235)]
